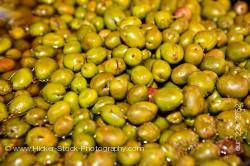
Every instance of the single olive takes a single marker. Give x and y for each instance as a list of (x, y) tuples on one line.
[(15, 128), (141, 112), (22, 79), (47, 157), (84, 142), (113, 115), (40, 137), (78, 83), (101, 158), (62, 76), (168, 98), (89, 70), (86, 126), (238, 51), (152, 154), (53, 92), (97, 55), (101, 102), (72, 158), (163, 19), (113, 16), (140, 75), (133, 36), (44, 67), (193, 101), (171, 52), (180, 73), (234, 86), (110, 136), (63, 125), (35, 116), (133, 57), (205, 126), (203, 80), (118, 87), (57, 110), (88, 97), (3, 112), (23, 158), (5, 87), (206, 151), (127, 157), (231, 124), (74, 61), (148, 132), (21, 104)]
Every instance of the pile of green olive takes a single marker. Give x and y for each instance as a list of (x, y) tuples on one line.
[(154, 82)]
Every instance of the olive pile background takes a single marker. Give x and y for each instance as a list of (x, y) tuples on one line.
[(164, 81)]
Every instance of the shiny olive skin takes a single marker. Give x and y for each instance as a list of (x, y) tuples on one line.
[(100, 83), (78, 83), (104, 158), (113, 16), (47, 157), (96, 55), (168, 98), (193, 101), (221, 104), (140, 75), (205, 126), (86, 126), (118, 87), (183, 140), (102, 101), (133, 36), (73, 61), (133, 57), (53, 92), (21, 104), (3, 112), (62, 76), (5, 87), (152, 154), (63, 125), (232, 86), (171, 52), (89, 70), (115, 66), (40, 136), (193, 54), (44, 67), (129, 157), (206, 39), (87, 97), (238, 51), (141, 112), (153, 38), (206, 151), (57, 110), (202, 80), (83, 142), (21, 79), (161, 71), (112, 115), (23, 158), (137, 93), (35, 116), (148, 132), (110, 136), (15, 128), (230, 126), (72, 158), (180, 73)]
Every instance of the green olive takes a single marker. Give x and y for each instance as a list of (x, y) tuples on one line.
[(110, 136), (87, 97), (53, 92), (57, 110), (205, 126), (22, 79), (44, 67), (168, 98), (141, 112), (21, 104), (40, 137), (171, 52), (133, 36)]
